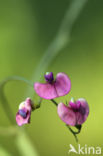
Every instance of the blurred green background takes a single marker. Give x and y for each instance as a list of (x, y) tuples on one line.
[(27, 28)]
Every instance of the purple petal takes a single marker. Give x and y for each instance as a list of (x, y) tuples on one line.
[(62, 84), (46, 91), (78, 104), (21, 121), (66, 114), (74, 105), (60, 87), (83, 111), (28, 104)]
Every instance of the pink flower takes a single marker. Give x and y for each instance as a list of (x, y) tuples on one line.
[(74, 114), (24, 113), (53, 88)]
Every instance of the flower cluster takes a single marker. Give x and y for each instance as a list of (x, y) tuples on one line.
[(73, 114)]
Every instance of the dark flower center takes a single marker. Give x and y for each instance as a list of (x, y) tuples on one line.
[(23, 113), (75, 105), (82, 110)]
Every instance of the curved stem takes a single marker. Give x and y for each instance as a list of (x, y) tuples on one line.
[(77, 126), (62, 38), (16, 78), (14, 130), (5, 104), (72, 132), (37, 105), (6, 107)]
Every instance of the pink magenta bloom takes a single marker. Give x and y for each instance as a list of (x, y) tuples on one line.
[(53, 88), (74, 114), (24, 113)]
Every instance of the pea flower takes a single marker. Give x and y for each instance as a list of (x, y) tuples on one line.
[(24, 113), (74, 114), (53, 88)]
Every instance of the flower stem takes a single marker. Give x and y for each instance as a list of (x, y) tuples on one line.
[(56, 104), (39, 103), (5, 104), (16, 78), (72, 132), (20, 137), (77, 126)]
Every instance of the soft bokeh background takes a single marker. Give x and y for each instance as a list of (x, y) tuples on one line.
[(26, 30)]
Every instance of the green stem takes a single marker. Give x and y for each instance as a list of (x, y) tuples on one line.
[(77, 126), (39, 104), (21, 136), (72, 132), (56, 104), (5, 104), (62, 38), (16, 78), (6, 107)]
